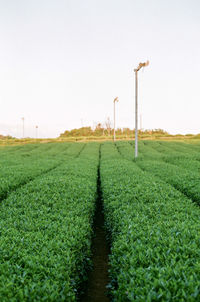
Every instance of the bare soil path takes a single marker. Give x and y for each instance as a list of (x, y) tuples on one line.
[(98, 276)]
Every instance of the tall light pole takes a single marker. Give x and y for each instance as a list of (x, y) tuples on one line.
[(136, 104), (115, 100), (36, 131), (23, 126)]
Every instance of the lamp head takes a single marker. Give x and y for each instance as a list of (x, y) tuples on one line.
[(141, 65)]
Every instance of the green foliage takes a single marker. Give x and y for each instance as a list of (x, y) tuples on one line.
[(154, 234), (20, 164), (175, 163), (84, 131), (185, 180), (46, 219), (46, 232), (179, 166), (4, 137), (106, 131)]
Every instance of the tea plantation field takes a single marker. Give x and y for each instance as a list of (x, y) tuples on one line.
[(48, 195)]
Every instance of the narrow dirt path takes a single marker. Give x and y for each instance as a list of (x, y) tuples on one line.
[(98, 277)]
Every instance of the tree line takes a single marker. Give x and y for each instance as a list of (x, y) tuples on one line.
[(101, 130)]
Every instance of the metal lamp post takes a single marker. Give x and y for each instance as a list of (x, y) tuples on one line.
[(136, 104), (115, 100), (36, 131), (23, 126)]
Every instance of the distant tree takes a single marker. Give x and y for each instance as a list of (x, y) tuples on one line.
[(108, 126), (159, 131), (118, 131), (84, 131), (65, 134), (99, 130), (6, 137), (127, 131), (106, 129)]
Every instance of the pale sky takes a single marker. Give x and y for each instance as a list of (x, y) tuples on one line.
[(62, 62)]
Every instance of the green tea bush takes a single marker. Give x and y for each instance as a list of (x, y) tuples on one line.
[(184, 180), (153, 231), (46, 229), (25, 163)]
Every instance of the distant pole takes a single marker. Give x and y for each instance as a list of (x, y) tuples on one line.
[(136, 104), (141, 122), (115, 100), (36, 131), (136, 113), (23, 127)]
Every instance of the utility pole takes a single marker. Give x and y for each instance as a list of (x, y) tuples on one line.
[(115, 100), (36, 131), (23, 126), (136, 104)]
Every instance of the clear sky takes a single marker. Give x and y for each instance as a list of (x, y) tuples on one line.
[(62, 62)]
